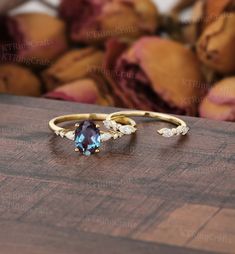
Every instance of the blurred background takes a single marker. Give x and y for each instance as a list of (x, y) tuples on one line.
[(172, 56)]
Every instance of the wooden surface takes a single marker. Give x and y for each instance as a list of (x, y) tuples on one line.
[(145, 194)]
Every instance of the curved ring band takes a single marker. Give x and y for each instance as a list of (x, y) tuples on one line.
[(181, 129), (87, 135)]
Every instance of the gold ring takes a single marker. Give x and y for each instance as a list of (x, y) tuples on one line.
[(86, 134), (181, 129)]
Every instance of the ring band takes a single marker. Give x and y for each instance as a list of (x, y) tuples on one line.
[(181, 129), (87, 135)]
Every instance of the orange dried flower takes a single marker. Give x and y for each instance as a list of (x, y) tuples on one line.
[(18, 80), (204, 12), (94, 21), (156, 74), (216, 45), (75, 64), (208, 11), (83, 91), (33, 38)]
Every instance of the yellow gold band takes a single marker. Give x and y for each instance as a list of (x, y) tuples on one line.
[(89, 116), (87, 135), (182, 128), (69, 132)]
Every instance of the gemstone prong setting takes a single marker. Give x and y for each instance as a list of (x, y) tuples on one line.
[(87, 138)]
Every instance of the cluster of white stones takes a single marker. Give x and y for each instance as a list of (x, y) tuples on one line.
[(124, 129), (60, 133), (180, 130), (108, 135), (111, 125), (117, 130), (68, 134)]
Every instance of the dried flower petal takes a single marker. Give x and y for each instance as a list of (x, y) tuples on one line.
[(99, 20), (33, 37), (223, 92), (214, 8), (207, 11), (83, 91), (216, 45), (158, 74), (18, 80), (204, 12), (219, 112), (75, 64), (219, 104)]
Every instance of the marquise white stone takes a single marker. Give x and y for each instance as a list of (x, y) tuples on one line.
[(70, 135), (165, 132), (185, 130), (110, 124), (127, 129), (106, 136)]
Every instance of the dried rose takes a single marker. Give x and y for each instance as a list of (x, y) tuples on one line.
[(75, 64), (18, 80), (33, 38), (214, 8), (207, 11), (93, 21), (193, 28), (219, 104), (156, 74), (215, 47), (204, 12), (211, 10), (83, 90)]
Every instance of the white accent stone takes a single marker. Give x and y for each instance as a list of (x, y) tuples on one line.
[(70, 135), (115, 136), (184, 130), (167, 133), (174, 131), (127, 129), (106, 124), (109, 124), (57, 133), (114, 125), (178, 130), (118, 126), (62, 134), (106, 136)]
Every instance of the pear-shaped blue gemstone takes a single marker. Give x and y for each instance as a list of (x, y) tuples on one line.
[(87, 137)]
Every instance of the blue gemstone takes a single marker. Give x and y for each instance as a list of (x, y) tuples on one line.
[(87, 138)]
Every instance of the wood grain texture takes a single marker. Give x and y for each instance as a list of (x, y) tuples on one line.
[(140, 194)]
